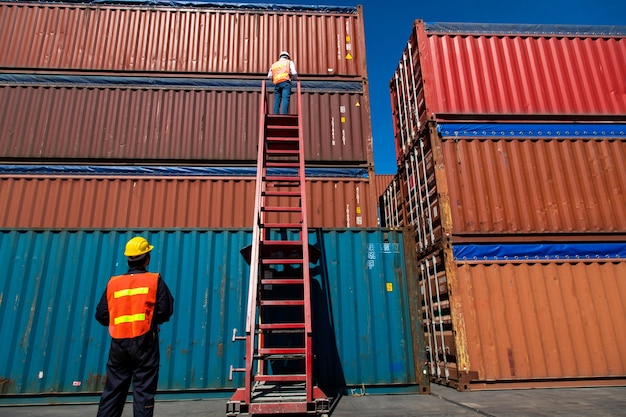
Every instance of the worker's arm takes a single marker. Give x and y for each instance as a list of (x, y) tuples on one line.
[(292, 70), (102, 310), (164, 307)]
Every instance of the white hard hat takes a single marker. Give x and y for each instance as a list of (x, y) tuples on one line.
[(284, 54)]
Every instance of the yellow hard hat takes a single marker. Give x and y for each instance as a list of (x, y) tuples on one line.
[(137, 246)]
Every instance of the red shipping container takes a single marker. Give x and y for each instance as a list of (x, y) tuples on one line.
[(490, 72), (203, 39), (78, 202), (193, 125), (457, 187)]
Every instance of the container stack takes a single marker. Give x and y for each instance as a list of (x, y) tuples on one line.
[(120, 103), (510, 143), (143, 118)]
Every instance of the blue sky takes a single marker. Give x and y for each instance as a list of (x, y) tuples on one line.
[(388, 26)]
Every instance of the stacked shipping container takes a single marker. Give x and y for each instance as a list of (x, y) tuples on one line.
[(55, 351), (510, 142), (145, 118), (133, 85)]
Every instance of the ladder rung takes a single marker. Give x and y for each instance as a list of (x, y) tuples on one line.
[(282, 281), (280, 137), (289, 243), (281, 164), (282, 209), (282, 193), (281, 326), (280, 378), (281, 179), (282, 261), (281, 303), (288, 134), (282, 351), (284, 119), (281, 225), (282, 152)]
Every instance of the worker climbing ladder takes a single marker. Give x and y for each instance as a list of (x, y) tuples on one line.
[(279, 336)]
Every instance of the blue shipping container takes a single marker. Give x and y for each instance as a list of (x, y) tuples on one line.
[(53, 280)]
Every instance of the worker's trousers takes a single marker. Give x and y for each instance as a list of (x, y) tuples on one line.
[(282, 91), (135, 360)]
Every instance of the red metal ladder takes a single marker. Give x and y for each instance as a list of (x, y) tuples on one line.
[(279, 334)]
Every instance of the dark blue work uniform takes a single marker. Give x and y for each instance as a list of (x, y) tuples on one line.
[(134, 359)]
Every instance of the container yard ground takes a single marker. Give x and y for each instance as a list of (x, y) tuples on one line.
[(571, 402)]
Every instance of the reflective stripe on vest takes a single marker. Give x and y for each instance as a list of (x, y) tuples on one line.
[(280, 71), (129, 319), (131, 299)]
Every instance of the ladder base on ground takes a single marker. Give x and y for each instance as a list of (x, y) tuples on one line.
[(272, 398)]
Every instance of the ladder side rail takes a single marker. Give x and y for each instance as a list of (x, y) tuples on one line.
[(303, 205), (254, 255), (306, 276)]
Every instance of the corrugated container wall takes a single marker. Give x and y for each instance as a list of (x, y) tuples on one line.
[(61, 202), (193, 124), (498, 182), (204, 39), (525, 315), (381, 181), (459, 72), (53, 280), (510, 142), (178, 85)]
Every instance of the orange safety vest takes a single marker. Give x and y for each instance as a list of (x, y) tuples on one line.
[(131, 300), (280, 71)]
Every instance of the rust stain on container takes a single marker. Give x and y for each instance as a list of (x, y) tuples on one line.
[(101, 202), (203, 38), (95, 382), (195, 125)]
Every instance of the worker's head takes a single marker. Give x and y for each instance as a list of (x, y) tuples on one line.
[(284, 54), (138, 251)]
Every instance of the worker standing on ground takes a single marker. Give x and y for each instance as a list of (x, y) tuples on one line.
[(281, 73), (132, 306)]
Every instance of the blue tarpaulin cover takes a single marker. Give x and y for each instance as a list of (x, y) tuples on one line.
[(514, 29), (539, 251), (174, 171), (230, 84), (210, 5), (532, 130)]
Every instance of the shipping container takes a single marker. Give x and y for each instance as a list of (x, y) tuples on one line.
[(122, 119), (456, 72), (56, 352), (525, 315), (105, 202), (505, 181), (204, 39), (382, 181)]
